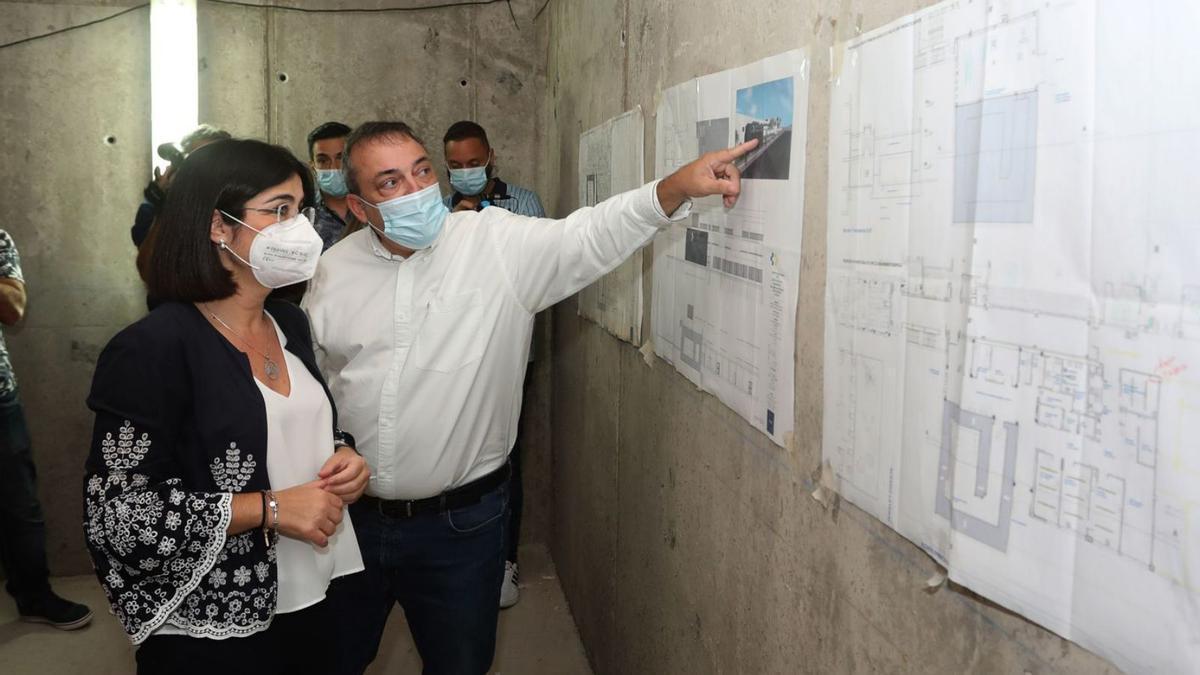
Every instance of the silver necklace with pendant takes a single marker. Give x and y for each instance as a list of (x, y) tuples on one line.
[(269, 366)]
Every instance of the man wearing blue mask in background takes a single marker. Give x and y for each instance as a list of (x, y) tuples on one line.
[(325, 146), (472, 166), (421, 323)]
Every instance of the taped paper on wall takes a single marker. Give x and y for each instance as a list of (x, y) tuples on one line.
[(1012, 332), (611, 160), (726, 282)]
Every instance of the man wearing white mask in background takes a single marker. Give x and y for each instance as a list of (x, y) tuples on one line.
[(421, 322), (325, 146)]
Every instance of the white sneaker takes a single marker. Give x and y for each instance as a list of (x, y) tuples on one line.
[(509, 593)]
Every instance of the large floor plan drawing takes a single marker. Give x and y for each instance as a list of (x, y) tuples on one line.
[(1012, 351)]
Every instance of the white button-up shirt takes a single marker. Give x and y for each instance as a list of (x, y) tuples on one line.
[(426, 356)]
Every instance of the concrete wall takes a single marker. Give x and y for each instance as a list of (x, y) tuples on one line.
[(71, 195), (74, 131), (686, 541)]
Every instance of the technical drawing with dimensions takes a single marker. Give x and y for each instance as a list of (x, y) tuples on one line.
[(726, 281), (1012, 333), (611, 161)]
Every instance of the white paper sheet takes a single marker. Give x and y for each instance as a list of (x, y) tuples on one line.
[(611, 161), (726, 282), (1012, 366)]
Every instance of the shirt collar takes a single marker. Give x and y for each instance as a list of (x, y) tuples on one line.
[(379, 251)]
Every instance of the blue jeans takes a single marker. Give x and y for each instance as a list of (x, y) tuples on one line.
[(445, 571), (22, 527)]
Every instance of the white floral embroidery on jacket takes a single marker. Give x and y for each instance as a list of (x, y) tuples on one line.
[(162, 553), (232, 474)]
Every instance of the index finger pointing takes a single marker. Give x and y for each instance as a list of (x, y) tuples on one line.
[(730, 154)]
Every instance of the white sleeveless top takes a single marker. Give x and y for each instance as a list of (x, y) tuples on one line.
[(299, 440)]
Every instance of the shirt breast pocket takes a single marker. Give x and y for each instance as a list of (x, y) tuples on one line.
[(453, 335)]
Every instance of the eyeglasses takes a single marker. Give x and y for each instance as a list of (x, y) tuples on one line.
[(287, 212)]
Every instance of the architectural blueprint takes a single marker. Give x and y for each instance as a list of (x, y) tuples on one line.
[(1012, 341), (726, 281), (611, 161)]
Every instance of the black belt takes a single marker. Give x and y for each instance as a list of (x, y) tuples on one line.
[(459, 497)]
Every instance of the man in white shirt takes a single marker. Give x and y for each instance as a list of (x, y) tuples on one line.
[(471, 167), (422, 322)]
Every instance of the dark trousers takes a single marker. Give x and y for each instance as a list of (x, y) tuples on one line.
[(444, 569), (296, 642), (22, 526)]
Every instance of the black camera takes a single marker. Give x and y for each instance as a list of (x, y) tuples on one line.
[(171, 153), (154, 193)]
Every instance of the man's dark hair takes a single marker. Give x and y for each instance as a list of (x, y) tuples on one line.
[(324, 132), (461, 131), (372, 131), (180, 261)]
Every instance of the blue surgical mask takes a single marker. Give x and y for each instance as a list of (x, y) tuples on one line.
[(413, 220), (469, 182), (332, 182)]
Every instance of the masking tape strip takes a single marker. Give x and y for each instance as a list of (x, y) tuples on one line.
[(936, 581), (826, 492), (647, 352), (837, 51)]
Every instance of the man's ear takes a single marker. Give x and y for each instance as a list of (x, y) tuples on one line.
[(219, 231), (357, 208)]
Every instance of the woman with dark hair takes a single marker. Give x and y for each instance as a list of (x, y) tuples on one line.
[(217, 480)]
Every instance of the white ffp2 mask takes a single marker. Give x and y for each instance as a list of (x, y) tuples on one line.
[(283, 254)]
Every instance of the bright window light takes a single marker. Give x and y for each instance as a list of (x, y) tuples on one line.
[(173, 68)]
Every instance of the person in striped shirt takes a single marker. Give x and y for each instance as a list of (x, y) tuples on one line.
[(472, 166)]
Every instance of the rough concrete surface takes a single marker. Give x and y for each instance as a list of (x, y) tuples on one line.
[(687, 541), (75, 127)]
